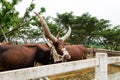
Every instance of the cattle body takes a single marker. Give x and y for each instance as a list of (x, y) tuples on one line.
[(23, 56), (70, 52), (5, 43), (77, 52)]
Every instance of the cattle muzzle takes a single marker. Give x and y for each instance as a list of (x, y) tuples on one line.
[(60, 58)]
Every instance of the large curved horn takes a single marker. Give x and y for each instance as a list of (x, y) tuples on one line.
[(66, 35), (46, 29), (46, 41)]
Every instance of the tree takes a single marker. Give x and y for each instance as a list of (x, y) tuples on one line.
[(84, 27), (110, 38), (8, 16), (14, 26)]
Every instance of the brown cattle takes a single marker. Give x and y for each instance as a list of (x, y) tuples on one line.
[(5, 43), (77, 52), (23, 56), (70, 52)]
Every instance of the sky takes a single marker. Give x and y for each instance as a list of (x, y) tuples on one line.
[(102, 9)]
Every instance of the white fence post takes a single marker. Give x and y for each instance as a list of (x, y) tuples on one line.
[(101, 70)]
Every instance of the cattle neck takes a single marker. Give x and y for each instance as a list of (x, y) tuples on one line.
[(43, 55), (58, 48)]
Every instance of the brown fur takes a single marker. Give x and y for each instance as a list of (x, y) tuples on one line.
[(77, 52), (23, 56), (5, 43)]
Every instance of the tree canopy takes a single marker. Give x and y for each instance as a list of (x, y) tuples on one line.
[(86, 29), (15, 27)]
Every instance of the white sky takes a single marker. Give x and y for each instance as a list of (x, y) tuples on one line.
[(102, 9)]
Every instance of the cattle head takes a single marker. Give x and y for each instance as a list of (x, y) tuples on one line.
[(42, 53), (58, 43)]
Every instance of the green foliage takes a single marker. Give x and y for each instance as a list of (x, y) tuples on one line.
[(86, 29), (8, 17), (15, 26), (83, 27), (42, 10), (65, 18), (111, 38)]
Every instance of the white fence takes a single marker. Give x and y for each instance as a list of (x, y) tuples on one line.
[(100, 63)]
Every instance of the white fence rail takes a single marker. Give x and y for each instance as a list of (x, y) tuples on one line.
[(100, 63)]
